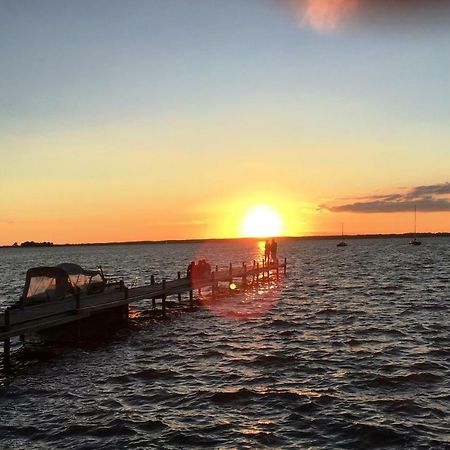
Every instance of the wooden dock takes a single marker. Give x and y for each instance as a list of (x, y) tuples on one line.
[(25, 319)]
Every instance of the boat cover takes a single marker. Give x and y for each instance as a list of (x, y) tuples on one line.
[(62, 281)]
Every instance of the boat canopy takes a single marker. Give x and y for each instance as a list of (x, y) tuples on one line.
[(80, 277), (62, 281)]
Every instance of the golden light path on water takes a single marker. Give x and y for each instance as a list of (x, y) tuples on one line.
[(233, 300)]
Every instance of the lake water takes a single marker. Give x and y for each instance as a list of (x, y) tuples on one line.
[(350, 350)]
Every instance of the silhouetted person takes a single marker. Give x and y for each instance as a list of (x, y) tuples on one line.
[(190, 269), (266, 251), (204, 268), (273, 250), (207, 269)]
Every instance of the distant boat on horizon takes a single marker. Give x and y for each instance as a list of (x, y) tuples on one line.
[(342, 243), (414, 241)]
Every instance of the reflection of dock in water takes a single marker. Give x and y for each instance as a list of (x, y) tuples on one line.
[(79, 315)]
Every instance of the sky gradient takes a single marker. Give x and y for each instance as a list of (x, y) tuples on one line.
[(167, 119)]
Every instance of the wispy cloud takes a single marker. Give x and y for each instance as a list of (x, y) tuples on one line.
[(182, 223), (327, 15), (432, 198)]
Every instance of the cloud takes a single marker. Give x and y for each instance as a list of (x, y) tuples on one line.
[(433, 198), (192, 223), (327, 15)]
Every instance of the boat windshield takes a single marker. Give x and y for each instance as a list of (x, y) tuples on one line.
[(84, 282)]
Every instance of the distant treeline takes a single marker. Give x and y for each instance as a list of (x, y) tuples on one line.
[(33, 244), (225, 240)]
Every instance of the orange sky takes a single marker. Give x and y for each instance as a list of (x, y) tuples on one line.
[(173, 121)]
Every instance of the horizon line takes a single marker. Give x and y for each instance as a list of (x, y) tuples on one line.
[(247, 238)]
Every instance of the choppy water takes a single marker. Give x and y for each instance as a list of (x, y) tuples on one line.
[(354, 354)]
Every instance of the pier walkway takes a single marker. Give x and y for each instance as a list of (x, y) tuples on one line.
[(25, 319)]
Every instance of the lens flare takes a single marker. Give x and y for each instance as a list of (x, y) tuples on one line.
[(233, 300), (327, 14)]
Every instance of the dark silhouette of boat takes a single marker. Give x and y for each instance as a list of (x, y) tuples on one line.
[(342, 243), (415, 241)]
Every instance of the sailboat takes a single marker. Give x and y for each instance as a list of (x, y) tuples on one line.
[(415, 241), (342, 243)]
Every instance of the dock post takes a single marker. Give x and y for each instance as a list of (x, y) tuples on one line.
[(278, 268), (285, 265), (257, 273), (126, 307), (126, 311), (191, 299), (213, 285), (163, 304), (179, 277), (7, 344), (244, 274), (152, 282), (7, 355), (253, 277)]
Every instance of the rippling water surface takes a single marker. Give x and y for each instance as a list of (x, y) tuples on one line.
[(354, 353)]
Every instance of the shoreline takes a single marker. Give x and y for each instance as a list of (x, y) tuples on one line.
[(244, 239)]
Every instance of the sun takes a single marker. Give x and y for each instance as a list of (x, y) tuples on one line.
[(262, 221)]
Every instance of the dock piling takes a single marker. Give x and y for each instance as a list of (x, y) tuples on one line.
[(253, 277), (213, 285), (179, 294), (191, 299), (7, 344), (163, 303)]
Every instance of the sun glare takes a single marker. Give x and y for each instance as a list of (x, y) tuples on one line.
[(262, 221)]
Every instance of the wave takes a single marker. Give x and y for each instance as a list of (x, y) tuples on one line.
[(145, 374), (273, 360), (375, 436), (379, 380)]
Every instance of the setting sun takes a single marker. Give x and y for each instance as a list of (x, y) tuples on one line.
[(262, 221)]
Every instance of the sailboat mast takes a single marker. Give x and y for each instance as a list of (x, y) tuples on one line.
[(415, 220)]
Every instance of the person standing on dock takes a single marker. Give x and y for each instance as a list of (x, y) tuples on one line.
[(273, 250), (267, 251), (190, 269)]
